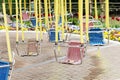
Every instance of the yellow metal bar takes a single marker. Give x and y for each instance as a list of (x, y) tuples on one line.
[(21, 21), (59, 9), (62, 11), (46, 14), (56, 20), (96, 11), (36, 16), (25, 5), (70, 6), (17, 36), (10, 6), (7, 33), (30, 6), (107, 14), (87, 17), (50, 11), (80, 9), (40, 20), (66, 14)]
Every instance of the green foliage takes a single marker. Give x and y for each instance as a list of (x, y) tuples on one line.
[(74, 21)]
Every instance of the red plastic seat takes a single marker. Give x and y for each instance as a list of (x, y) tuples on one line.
[(75, 53)]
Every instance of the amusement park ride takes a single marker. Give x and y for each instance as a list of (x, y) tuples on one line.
[(94, 35)]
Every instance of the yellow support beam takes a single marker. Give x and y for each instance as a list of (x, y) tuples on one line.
[(87, 17), (96, 11), (59, 9), (107, 14), (21, 21), (62, 12), (36, 16), (50, 11), (70, 6), (10, 6), (80, 10), (24, 5), (30, 7), (17, 35), (46, 14), (65, 14), (56, 20), (40, 7), (7, 33)]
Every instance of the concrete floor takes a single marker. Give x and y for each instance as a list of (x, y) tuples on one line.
[(44, 67)]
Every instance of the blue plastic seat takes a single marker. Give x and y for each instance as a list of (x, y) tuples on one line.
[(51, 34), (4, 70), (96, 36), (33, 20)]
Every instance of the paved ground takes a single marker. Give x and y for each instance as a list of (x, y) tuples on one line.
[(104, 66)]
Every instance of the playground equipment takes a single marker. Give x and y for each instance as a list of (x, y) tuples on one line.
[(75, 52), (5, 66), (51, 33), (29, 47), (4, 70), (60, 12), (96, 36)]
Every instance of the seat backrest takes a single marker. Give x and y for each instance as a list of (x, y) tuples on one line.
[(4, 70), (9, 20), (32, 45), (25, 16)]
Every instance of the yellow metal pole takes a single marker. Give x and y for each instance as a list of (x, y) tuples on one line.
[(25, 5), (21, 21), (66, 14), (17, 36), (7, 33), (40, 7), (70, 6), (62, 11), (30, 6), (107, 17), (59, 9), (96, 11), (36, 16), (80, 9), (50, 11), (46, 14), (107, 14), (56, 20), (87, 17), (10, 6)]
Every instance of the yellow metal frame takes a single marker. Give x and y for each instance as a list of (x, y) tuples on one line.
[(96, 11), (56, 20), (63, 17), (70, 6), (21, 21), (10, 6), (80, 10), (7, 33), (65, 7), (36, 16), (46, 14), (17, 35), (30, 6), (25, 5), (107, 14), (41, 36), (87, 18), (50, 11)]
